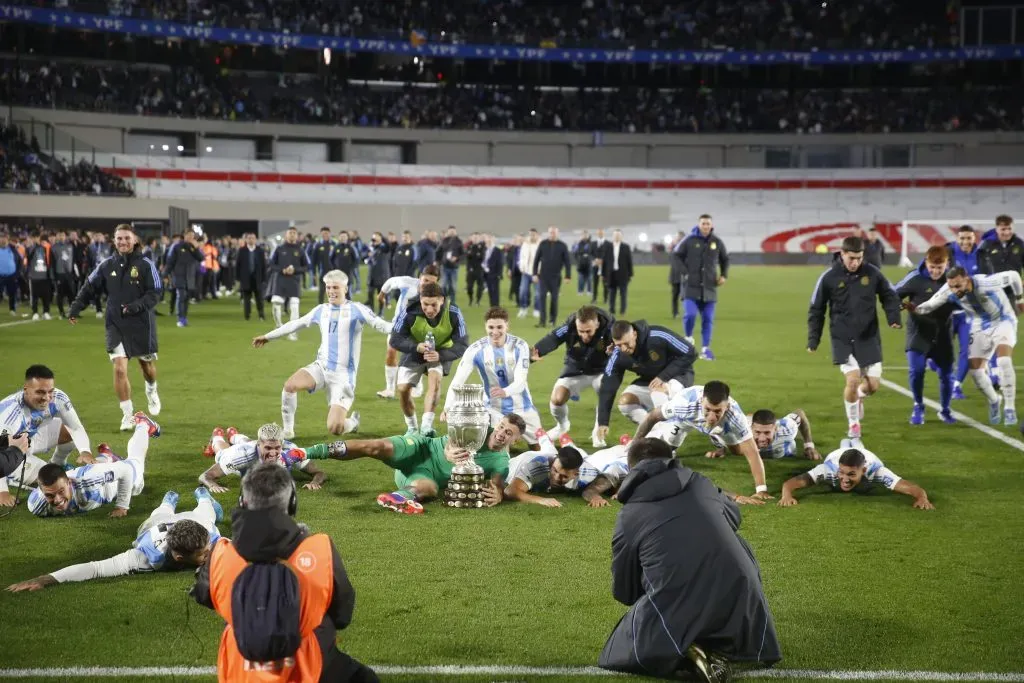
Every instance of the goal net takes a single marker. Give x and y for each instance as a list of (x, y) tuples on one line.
[(917, 235)]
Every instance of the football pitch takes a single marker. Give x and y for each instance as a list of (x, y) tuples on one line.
[(860, 586)]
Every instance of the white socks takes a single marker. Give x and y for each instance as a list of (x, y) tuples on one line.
[(411, 422), (150, 387), (278, 313), (60, 455), (852, 411), (560, 413), (350, 425), (984, 384), (126, 408), (239, 438), (293, 309), (289, 403), (390, 378), (1007, 382), (633, 411), (427, 423)]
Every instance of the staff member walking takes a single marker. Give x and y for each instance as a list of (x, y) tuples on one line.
[(133, 290), (283, 592), (705, 265), (617, 267), (252, 274), (183, 258), (552, 257)]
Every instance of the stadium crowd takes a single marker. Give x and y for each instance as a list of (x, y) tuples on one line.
[(792, 25), (25, 168), (192, 93)]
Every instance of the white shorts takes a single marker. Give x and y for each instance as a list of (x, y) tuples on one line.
[(578, 384), (414, 375), (530, 417), (32, 465), (46, 438), (119, 352), (851, 365), (338, 385), (671, 433), (985, 342), (643, 392)]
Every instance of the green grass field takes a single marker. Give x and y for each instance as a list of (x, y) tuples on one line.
[(855, 583)]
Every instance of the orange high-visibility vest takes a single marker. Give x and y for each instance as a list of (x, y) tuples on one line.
[(313, 565), (210, 253)]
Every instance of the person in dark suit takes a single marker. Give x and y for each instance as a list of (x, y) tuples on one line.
[(596, 271), (512, 263), (379, 260), (552, 257), (403, 258), (251, 267), (675, 274), (617, 268), (321, 254), (492, 265)]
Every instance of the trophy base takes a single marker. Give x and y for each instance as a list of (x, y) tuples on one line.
[(465, 488)]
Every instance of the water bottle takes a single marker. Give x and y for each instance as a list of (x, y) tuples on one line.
[(429, 341)]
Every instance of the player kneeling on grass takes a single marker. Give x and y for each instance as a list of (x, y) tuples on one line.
[(776, 438), (710, 410), (167, 541), (852, 467), (243, 453), (337, 362), (423, 465), (691, 582), (92, 486)]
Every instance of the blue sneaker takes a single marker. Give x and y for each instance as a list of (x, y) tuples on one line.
[(947, 417), (706, 354), (171, 499), (1009, 417), (203, 493), (993, 413), (958, 392), (917, 415)]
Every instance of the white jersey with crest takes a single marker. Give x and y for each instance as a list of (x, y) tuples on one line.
[(505, 366), (92, 486), (986, 305), (408, 289), (18, 417), (239, 458), (341, 334), (784, 444), (877, 473), (686, 410)]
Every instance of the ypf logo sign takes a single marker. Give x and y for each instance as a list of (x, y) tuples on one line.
[(807, 239)]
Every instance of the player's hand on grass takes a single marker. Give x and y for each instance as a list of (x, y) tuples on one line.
[(492, 494), (534, 354), (550, 502), (763, 495), (812, 453), (598, 502), (6, 500), (216, 488), (787, 501), (30, 585), (118, 512), (258, 342), (85, 458), (923, 503), (748, 500), (312, 486), (720, 453)]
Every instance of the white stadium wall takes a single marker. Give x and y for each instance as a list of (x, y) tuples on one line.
[(755, 210)]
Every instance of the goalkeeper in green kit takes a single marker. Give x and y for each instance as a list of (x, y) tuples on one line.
[(423, 465)]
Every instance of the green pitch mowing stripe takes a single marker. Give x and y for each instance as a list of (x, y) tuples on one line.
[(487, 670)]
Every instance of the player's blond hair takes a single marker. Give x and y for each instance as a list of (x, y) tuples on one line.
[(269, 432), (337, 276)]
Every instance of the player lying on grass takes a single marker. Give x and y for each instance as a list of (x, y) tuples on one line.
[(852, 467), (710, 410), (92, 486), (776, 438), (337, 361), (236, 453), (423, 465), (167, 541)]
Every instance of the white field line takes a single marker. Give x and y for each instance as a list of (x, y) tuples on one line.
[(19, 322), (59, 673), (967, 420)]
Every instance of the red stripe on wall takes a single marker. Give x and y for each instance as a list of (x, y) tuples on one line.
[(201, 175)]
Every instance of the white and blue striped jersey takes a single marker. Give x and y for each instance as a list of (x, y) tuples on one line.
[(239, 458), (16, 417), (877, 472), (533, 469), (92, 486), (686, 409), (153, 541), (610, 463), (341, 334), (408, 289), (986, 305), (783, 445), (504, 366)]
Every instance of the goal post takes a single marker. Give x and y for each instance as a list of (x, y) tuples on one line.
[(916, 235)]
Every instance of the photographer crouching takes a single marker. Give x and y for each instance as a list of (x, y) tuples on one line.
[(282, 591), (13, 450)]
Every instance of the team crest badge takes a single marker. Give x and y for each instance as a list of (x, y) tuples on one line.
[(841, 285), (653, 355), (113, 273), (134, 272), (865, 280), (713, 246), (928, 291), (1016, 250), (409, 441)]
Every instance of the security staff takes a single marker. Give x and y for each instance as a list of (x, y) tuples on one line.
[(133, 290), (322, 255), (263, 531), (552, 257), (288, 264), (183, 258), (704, 265), (251, 266), (403, 258), (345, 257)]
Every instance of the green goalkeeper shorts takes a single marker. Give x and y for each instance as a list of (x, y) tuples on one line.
[(416, 457)]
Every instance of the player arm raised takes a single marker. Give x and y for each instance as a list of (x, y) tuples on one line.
[(211, 479), (550, 342), (810, 452), (305, 321), (595, 490), (373, 320), (132, 561)]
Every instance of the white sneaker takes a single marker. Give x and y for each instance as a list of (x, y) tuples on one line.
[(14, 314), (536, 313), (127, 423), (386, 393), (522, 313), (35, 316), (288, 433), (293, 337), (153, 402), (99, 314), (47, 316), (596, 442)]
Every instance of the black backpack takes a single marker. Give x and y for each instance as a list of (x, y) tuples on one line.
[(265, 608)]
